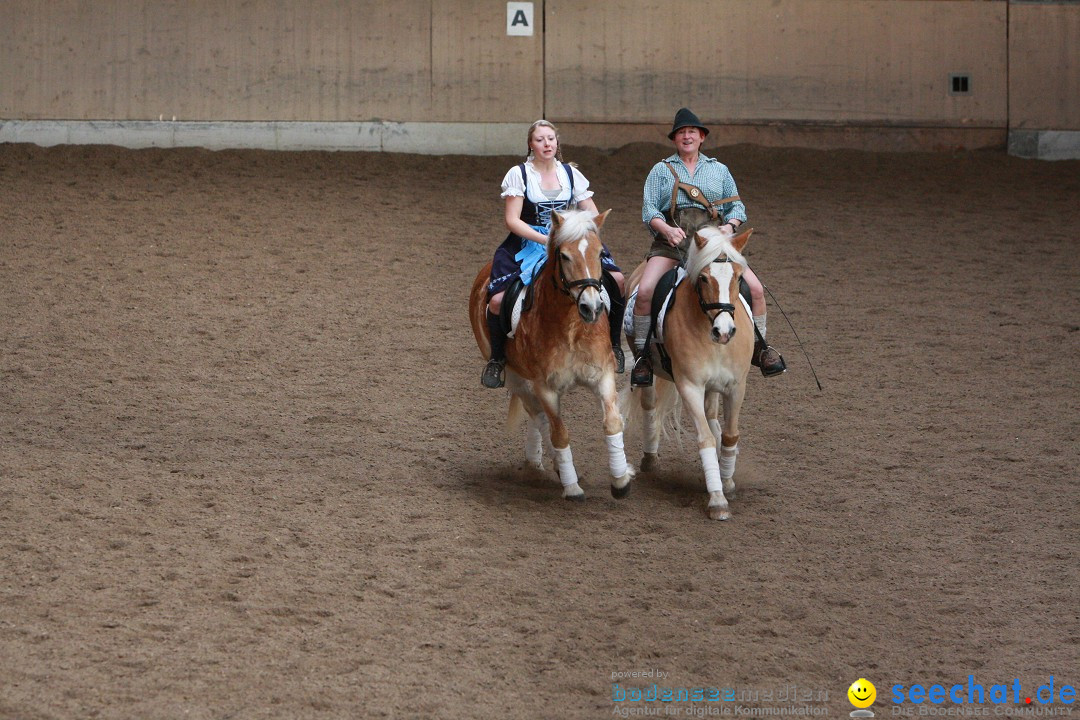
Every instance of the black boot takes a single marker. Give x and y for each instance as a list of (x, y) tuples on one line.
[(493, 371), (642, 375), (615, 321)]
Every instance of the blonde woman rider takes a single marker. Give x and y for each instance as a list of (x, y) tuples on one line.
[(532, 190)]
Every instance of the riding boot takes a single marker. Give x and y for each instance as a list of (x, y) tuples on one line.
[(765, 356), (493, 371), (615, 321)]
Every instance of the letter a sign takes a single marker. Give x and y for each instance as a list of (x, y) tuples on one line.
[(519, 18)]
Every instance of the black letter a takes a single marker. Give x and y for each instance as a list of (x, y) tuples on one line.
[(519, 19)]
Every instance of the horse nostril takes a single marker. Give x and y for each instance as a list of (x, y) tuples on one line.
[(588, 314)]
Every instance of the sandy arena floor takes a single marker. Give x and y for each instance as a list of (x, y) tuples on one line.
[(247, 468)]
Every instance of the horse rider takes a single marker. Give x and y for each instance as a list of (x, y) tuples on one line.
[(532, 190), (706, 195)]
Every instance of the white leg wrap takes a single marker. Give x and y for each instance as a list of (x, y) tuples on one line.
[(727, 461), (564, 460), (652, 434), (713, 482), (534, 443), (616, 455)]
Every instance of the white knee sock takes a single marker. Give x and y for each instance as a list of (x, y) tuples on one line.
[(759, 323), (642, 323)]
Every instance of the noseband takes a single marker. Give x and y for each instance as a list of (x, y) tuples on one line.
[(706, 307)]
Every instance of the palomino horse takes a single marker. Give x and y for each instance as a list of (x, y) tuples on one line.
[(559, 343), (709, 339)]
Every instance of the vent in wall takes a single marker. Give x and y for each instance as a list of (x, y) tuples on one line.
[(959, 84)]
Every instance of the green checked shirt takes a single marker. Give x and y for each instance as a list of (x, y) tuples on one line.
[(710, 175)]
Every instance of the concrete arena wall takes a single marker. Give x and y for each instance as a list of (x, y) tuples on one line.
[(852, 73)]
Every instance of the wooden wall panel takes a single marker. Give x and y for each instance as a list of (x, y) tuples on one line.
[(320, 60), (1044, 66), (866, 63), (881, 62)]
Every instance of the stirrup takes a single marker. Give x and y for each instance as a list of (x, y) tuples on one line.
[(493, 374), (770, 361), (642, 375), (620, 359)]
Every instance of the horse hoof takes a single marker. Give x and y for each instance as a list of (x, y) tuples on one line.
[(620, 492), (574, 493), (650, 462), (716, 512)]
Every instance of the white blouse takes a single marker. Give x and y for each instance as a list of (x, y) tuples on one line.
[(513, 187)]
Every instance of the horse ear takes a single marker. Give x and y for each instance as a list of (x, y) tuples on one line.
[(739, 241), (556, 221), (700, 241), (599, 219)]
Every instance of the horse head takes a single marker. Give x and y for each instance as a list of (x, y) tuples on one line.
[(574, 246), (714, 265)]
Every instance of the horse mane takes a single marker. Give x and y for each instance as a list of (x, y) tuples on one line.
[(576, 224), (716, 244)]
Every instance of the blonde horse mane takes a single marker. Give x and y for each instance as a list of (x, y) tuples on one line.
[(716, 244), (575, 225)]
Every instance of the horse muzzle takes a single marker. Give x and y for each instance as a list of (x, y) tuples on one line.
[(590, 305), (723, 329)]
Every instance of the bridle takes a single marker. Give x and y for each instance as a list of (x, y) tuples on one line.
[(707, 307), (567, 286)]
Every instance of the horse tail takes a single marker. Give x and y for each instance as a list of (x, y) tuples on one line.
[(668, 409)]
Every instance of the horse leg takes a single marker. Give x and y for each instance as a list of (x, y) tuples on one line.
[(650, 431), (729, 438), (560, 444), (621, 473), (537, 433), (536, 436), (727, 458), (694, 398)]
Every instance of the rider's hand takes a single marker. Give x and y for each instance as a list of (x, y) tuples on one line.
[(673, 235)]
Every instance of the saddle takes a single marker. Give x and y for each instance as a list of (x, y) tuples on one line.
[(517, 299)]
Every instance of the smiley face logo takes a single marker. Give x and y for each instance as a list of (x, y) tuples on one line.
[(862, 693)]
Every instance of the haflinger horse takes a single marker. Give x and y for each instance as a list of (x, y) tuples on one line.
[(560, 342), (709, 337)]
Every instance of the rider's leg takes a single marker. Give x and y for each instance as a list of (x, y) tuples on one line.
[(613, 282), (493, 371), (765, 356), (655, 268)]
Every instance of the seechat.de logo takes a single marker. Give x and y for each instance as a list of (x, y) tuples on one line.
[(862, 694)]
